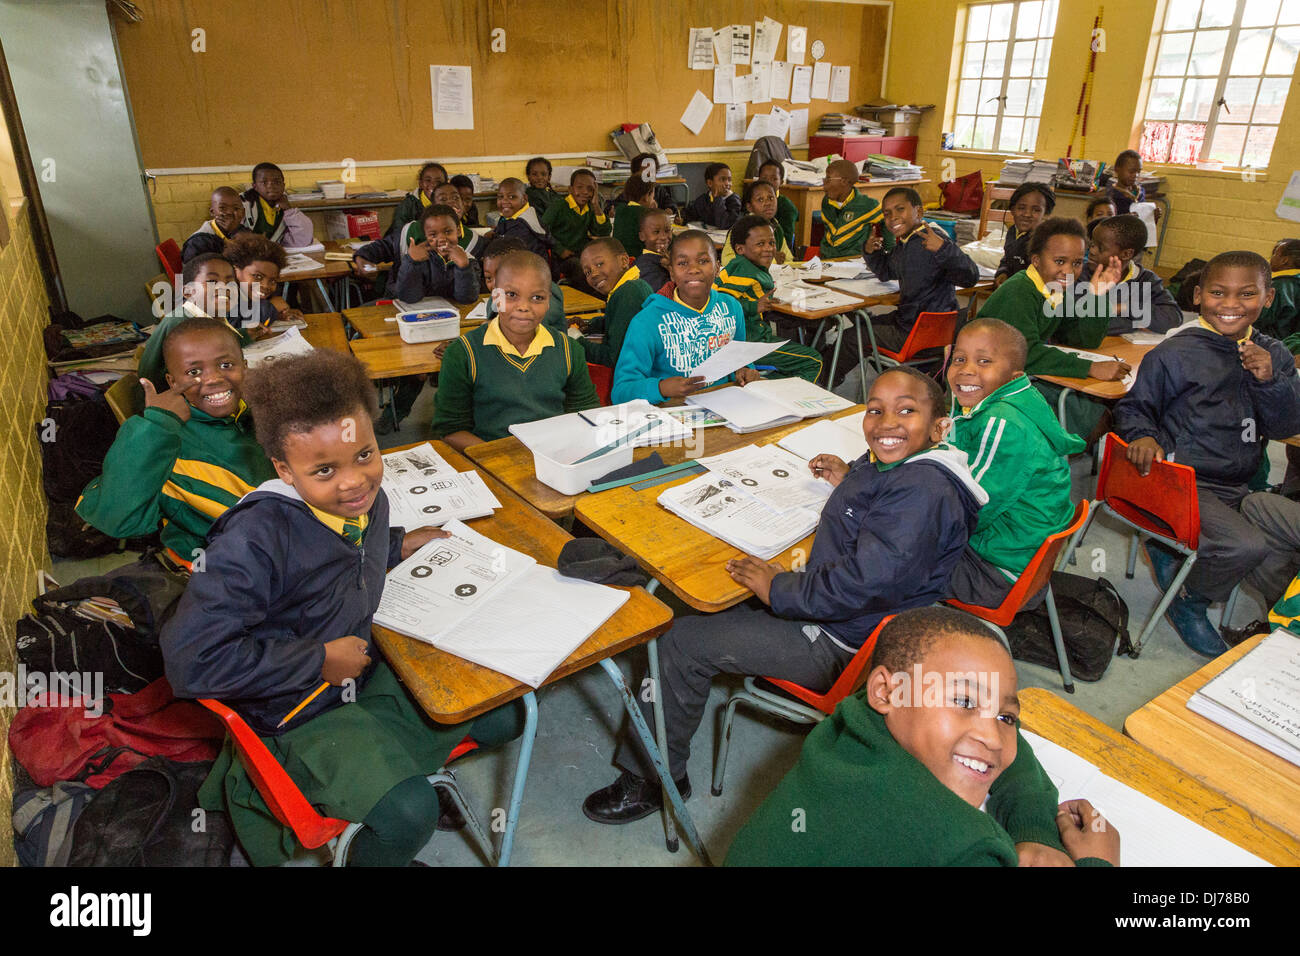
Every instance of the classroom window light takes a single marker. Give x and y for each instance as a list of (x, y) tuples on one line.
[(1218, 87), (1002, 69)]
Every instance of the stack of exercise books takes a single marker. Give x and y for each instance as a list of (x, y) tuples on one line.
[(847, 124), (768, 403), (879, 166), (1017, 171), (609, 170), (424, 490)]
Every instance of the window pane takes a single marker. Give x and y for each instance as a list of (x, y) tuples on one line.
[(1259, 13), (1009, 135), (1172, 58), (1290, 12), (1155, 142), (1163, 102), (1182, 14), (1027, 20), (1017, 100), (968, 92), (1186, 147), (1197, 95), (995, 59), (977, 22), (1036, 88), (1271, 100), (973, 61), (1049, 19), (1239, 94), (1022, 59), (1251, 52), (1029, 137), (1259, 145), (990, 90), (1041, 57), (1207, 52), (1286, 43), (963, 131), (1217, 13), (983, 138), (1000, 21), (1227, 144)]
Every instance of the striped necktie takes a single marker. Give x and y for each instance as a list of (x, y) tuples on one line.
[(352, 530)]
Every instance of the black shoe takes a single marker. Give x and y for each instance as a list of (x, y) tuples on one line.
[(449, 816), (629, 798), (1233, 636)]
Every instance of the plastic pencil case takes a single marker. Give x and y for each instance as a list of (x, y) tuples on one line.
[(432, 326)]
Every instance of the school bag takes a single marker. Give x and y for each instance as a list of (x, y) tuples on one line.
[(43, 818), (74, 436), (1182, 284), (963, 194), (147, 817), (1094, 625), (146, 590), (766, 148), (57, 640)]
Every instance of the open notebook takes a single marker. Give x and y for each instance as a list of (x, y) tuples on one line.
[(768, 403)]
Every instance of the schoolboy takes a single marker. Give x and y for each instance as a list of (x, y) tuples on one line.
[(678, 327), (226, 212), (510, 369), (293, 575), (465, 186), (437, 265), (555, 319), (890, 764), (519, 219), (541, 196), (787, 215), (1099, 209), (1281, 317), (267, 211), (257, 263), (1030, 204), (759, 199), (389, 249), (848, 216), (1211, 395), (610, 272), (1033, 301), (209, 290), (1125, 189), (191, 453), (1141, 300), (655, 233), (432, 175), (870, 558), (717, 207), (746, 279), (1018, 453), (639, 196), (572, 222)]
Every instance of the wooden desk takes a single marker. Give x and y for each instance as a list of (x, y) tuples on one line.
[(353, 200), (689, 561), (1114, 345), (807, 199), (390, 357), (325, 331), (1119, 757), (373, 321), (1244, 772)]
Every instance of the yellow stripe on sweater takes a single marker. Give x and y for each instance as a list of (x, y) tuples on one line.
[(213, 475)]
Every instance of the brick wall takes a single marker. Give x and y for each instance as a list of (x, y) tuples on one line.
[(23, 380)]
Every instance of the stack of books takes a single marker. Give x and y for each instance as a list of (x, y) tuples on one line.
[(1017, 171), (879, 166), (609, 170), (846, 124), (483, 184)]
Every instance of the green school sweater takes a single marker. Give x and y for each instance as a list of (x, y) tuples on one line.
[(857, 798), (572, 227), (627, 227), (542, 199), (1023, 301), (624, 302), (184, 474), (1282, 319), (747, 282), (1017, 451), (483, 390), (848, 226), (408, 210), (787, 215)]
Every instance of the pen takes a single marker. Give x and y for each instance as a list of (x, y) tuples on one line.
[(764, 368)]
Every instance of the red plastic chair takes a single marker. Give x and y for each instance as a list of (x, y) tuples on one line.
[(602, 376), (290, 807), (809, 707), (933, 330), (169, 254), (1036, 576)]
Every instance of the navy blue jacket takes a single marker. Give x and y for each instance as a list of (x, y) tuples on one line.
[(1015, 252), (276, 585), (651, 267), (887, 541), (534, 237), (1194, 398), (413, 281), (927, 281), (1144, 290), (720, 213)]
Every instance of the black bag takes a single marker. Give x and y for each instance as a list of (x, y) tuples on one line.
[(68, 536), (57, 640), (1183, 283), (146, 817), (43, 818), (1094, 625), (74, 437), (146, 590)]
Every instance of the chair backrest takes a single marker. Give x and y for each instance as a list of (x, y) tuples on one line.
[(169, 254), (1034, 577), (125, 397), (933, 330), (848, 681), (277, 788), (992, 193), (1162, 503), (602, 376)]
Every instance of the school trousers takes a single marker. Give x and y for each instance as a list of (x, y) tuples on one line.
[(1231, 545), (746, 639), (1278, 519)]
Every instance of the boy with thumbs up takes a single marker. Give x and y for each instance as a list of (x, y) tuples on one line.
[(438, 266)]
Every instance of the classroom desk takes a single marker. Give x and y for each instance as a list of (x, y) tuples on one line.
[(371, 321), (1115, 345), (325, 331), (390, 357), (1263, 783), (452, 690), (855, 312), (356, 198), (808, 199), (1151, 773), (328, 271)]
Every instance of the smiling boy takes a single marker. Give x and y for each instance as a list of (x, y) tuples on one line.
[(1142, 301), (655, 233), (226, 213), (573, 222), (267, 210), (890, 766), (717, 207), (438, 265), (847, 215), (611, 274), (519, 219)]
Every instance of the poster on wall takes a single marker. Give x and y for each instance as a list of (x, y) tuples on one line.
[(453, 97), (1288, 207)]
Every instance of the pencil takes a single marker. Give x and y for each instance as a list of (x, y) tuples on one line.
[(310, 697)]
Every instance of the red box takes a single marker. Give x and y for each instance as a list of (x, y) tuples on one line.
[(856, 148), (352, 224)]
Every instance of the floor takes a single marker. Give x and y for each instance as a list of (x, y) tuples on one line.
[(579, 718)]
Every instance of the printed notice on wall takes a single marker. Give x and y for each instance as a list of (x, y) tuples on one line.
[(453, 97), (1288, 207)]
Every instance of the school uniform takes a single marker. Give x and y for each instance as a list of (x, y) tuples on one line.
[(486, 385), (410, 209), (653, 271), (866, 801), (1018, 453), (180, 474), (527, 228), (555, 318), (1281, 319), (289, 227), (663, 200), (390, 248), (747, 282), (1150, 307), (627, 227), (1015, 252), (847, 224), (668, 338), (624, 302), (412, 281), (207, 238), (281, 580), (1122, 201), (572, 226), (720, 212), (779, 234), (889, 536), (542, 199), (927, 282), (152, 365), (787, 215)]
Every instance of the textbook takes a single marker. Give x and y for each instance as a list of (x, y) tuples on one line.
[(1258, 697), (424, 490), (768, 403), (841, 436), (492, 605)]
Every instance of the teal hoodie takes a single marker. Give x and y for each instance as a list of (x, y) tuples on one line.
[(669, 338), (1017, 450)]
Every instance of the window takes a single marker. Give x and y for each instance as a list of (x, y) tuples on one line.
[(1004, 56), (1222, 71)]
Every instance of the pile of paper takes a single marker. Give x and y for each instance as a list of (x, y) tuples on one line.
[(768, 403), (1017, 171), (580, 435), (423, 489), (806, 297), (298, 262), (273, 349)]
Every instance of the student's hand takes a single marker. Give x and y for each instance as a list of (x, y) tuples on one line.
[(173, 400), (780, 258), (678, 386), (1256, 360), (999, 279), (1143, 452), (259, 332), (831, 467), (1039, 854), (934, 238), (441, 348), (413, 541), (765, 303), (290, 315), (1086, 833), (746, 375), (344, 657), (455, 254), (650, 202), (1156, 213), (1108, 276), (418, 251), (755, 574), (566, 254), (363, 268), (873, 244), (1109, 371)]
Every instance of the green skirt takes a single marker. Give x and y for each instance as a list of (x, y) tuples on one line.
[(345, 760)]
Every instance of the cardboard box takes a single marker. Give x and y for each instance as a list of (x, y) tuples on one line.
[(352, 223)]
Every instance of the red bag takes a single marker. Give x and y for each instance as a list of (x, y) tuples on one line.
[(54, 739), (963, 194)]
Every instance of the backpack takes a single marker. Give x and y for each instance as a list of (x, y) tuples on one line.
[(74, 437), (963, 194), (1094, 626), (67, 535), (146, 590), (59, 641), (147, 818), (43, 819), (766, 148), (1182, 284)]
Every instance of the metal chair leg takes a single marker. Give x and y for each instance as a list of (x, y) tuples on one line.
[(1132, 556), (720, 764), (1229, 605), (857, 328), (661, 738), (1061, 659), (1163, 606), (521, 776), (445, 780), (342, 842)]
